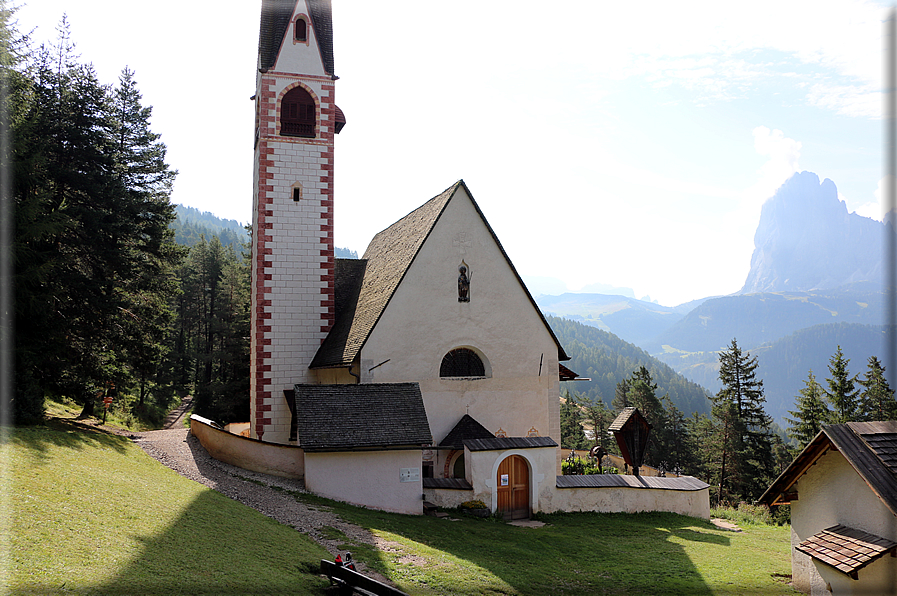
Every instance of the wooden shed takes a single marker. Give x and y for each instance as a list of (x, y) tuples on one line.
[(842, 489)]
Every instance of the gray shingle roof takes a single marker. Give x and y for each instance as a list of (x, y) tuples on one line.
[(617, 481), (358, 417), (447, 483), (388, 257), (275, 22), (499, 443), (467, 428)]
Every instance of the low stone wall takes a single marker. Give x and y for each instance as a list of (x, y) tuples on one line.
[(286, 461), (629, 494)]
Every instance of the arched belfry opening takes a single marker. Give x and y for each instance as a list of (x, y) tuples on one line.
[(298, 114)]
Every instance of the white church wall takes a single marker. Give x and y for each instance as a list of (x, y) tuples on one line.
[(831, 493), (425, 320), (367, 478)]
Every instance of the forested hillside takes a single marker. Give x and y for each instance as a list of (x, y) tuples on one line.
[(608, 360), (756, 319), (192, 224)]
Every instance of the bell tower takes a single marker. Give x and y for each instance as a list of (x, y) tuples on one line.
[(292, 206)]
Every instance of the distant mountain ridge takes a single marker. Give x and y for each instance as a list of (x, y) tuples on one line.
[(806, 240), (636, 321)]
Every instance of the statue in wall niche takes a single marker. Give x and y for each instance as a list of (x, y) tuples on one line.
[(463, 283)]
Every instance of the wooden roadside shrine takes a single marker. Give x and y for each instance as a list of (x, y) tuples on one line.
[(631, 431)]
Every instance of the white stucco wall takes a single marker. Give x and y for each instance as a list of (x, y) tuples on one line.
[(367, 478), (424, 321), (630, 500), (830, 493)]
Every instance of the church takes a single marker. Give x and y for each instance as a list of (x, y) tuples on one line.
[(423, 372)]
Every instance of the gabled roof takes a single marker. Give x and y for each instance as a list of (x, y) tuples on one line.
[(388, 257), (361, 417), (275, 22), (869, 447), (467, 428)]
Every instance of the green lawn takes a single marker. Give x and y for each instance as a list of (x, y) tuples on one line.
[(92, 514), (575, 553)]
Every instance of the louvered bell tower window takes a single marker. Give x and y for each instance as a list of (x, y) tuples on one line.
[(462, 362), (297, 114)]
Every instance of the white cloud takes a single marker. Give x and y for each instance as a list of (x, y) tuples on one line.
[(783, 154), (872, 209)]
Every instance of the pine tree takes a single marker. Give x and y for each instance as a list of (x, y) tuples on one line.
[(572, 435), (621, 396), (746, 434), (811, 413), (842, 393), (643, 395), (877, 399)]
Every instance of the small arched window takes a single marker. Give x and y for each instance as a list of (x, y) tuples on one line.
[(301, 30), (462, 362), (297, 114)]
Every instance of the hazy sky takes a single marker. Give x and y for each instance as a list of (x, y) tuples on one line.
[(629, 144)]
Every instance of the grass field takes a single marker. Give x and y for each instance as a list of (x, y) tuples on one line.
[(92, 514)]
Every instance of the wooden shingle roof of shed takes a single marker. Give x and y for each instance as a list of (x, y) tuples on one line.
[(846, 549), (361, 417), (387, 260), (869, 447)]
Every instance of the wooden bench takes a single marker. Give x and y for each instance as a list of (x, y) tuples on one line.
[(351, 581)]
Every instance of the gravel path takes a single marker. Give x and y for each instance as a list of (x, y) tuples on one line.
[(182, 452)]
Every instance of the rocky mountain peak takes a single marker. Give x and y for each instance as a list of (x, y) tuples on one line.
[(807, 240)]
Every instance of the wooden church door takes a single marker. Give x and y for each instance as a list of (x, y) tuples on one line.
[(513, 488)]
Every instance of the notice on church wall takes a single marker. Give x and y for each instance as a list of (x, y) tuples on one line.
[(409, 474)]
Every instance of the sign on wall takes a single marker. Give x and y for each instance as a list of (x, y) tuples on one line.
[(409, 474)]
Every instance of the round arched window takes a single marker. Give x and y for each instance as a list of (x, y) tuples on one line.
[(297, 114), (462, 362)]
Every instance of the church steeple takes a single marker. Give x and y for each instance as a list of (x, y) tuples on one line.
[(292, 219)]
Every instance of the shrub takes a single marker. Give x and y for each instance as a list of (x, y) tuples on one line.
[(746, 513), (475, 504)]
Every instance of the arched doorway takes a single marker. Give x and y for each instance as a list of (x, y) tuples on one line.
[(512, 481)]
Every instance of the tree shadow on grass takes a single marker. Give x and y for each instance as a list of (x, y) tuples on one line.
[(576, 553), (68, 433)]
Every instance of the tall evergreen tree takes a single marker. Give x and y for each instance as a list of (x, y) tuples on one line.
[(643, 395), (811, 414), (739, 406), (842, 393), (93, 251), (572, 435), (877, 399)]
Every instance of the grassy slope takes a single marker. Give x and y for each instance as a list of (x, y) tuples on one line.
[(93, 514), (580, 553)]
